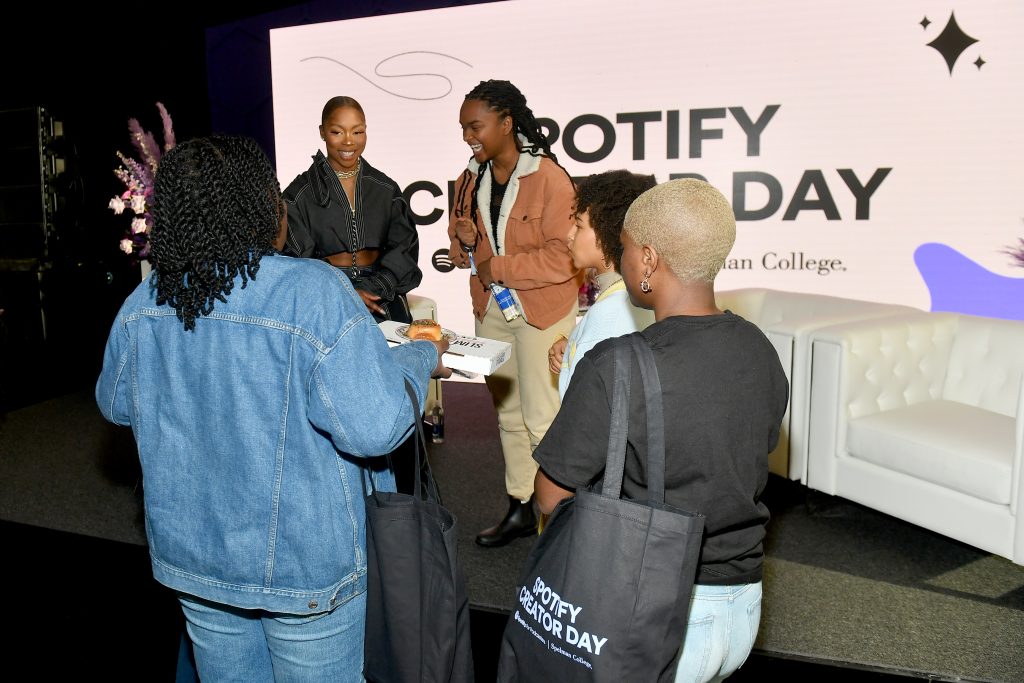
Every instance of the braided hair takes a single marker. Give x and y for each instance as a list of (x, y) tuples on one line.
[(507, 100), (216, 213), (607, 196)]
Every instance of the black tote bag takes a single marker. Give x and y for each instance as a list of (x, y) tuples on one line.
[(417, 607), (606, 589)]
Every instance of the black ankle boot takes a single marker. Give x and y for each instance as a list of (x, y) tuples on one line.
[(520, 521)]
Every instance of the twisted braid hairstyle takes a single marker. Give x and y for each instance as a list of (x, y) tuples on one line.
[(216, 213), (606, 197), (507, 100)]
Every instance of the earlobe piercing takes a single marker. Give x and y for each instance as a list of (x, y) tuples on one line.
[(645, 285)]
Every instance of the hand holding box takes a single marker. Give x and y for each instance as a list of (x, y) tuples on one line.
[(470, 354)]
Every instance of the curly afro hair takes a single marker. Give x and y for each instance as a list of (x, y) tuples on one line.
[(606, 197)]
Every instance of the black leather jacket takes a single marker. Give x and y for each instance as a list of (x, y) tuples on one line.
[(321, 223)]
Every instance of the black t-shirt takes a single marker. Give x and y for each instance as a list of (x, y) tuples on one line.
[(724, 395), (497, 196)]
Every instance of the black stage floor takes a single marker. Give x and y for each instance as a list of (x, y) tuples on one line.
[(850, 594)]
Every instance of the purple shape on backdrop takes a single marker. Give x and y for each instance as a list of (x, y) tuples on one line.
[(959, 285)]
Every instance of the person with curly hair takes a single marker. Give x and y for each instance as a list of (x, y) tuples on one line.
[(513, 215), (238, 387), (601, 203), (346, 212)]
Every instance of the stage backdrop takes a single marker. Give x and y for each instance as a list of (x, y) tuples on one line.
[(871, 150)]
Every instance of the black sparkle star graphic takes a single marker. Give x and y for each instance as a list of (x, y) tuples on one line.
[(925, 23), (979, 62), (952, 42)]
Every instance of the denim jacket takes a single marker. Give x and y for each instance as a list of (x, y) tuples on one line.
[(254, 431)]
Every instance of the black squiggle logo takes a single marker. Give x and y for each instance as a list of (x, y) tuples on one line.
[(379, 73)]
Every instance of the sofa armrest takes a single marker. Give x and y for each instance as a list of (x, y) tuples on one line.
[(800, 331), (1017, 470)]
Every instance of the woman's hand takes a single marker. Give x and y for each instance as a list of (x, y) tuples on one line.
[(555, 355), (465, 230), (370, 300), (483, 271), (459, 258), (440, 371)]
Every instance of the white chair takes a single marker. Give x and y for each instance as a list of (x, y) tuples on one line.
[(922, 418), (787, 320), (422, 308)]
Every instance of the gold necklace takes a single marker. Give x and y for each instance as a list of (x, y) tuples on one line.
[(349, 174)]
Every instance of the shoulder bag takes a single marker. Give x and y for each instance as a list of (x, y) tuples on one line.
[(417, 607), (606, 589)]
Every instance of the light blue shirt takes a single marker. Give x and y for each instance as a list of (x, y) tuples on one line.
[(611, 315)]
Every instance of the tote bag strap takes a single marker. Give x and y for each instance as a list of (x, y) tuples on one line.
[(615, 460), (431, 492), (655, 420)]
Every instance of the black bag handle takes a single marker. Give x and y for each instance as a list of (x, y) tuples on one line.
[(615, 460), (655, 421), (431, 492)]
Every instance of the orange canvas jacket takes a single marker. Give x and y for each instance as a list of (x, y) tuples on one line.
[(533, 229)]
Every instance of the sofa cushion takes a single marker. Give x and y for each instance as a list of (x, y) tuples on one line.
[(946, 443)]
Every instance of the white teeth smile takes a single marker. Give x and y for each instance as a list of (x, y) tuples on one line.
[(476, 148), (347, 155)]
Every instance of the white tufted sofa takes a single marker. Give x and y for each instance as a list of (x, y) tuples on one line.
[(788, 319), (922, 417)]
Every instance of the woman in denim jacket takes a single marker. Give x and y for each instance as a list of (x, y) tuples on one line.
[(257, 409)]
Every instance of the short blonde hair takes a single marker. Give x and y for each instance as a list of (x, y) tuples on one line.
[(688, 222)]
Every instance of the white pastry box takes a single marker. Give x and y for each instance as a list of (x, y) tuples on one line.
[(468, 354)]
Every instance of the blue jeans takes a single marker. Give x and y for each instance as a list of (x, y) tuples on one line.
[(253, 646), (722, 627)]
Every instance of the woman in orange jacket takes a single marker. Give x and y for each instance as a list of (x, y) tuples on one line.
[(511, 224)]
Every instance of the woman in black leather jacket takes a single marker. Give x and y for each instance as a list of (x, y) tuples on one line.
[(346, 212)]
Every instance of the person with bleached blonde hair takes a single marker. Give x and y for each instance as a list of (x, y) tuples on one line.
[(689, 223), (724, 394)]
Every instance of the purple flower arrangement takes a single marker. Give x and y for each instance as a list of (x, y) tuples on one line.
[(137, 176), (1017, 252)]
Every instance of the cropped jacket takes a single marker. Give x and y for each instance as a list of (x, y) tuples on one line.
[(321, 222)]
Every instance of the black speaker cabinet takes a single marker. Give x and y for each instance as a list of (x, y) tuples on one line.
[(28, 199)]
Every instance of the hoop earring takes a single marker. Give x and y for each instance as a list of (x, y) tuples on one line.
[(645, 285)]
